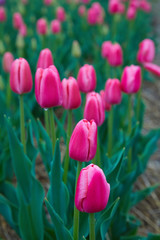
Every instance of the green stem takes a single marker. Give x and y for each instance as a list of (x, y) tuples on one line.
[(97, 158), (46, 118), (110, 131), (129, 129), (91, 226), (52, 128), (66, 161), (8, 94), (138, 104), (22, 124), (76, 212)]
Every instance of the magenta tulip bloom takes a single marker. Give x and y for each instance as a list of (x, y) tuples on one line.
[(60, 14), (2, 14), (92, 191), (145, 6), (20, 76), (131, 79), (83, 142), (45, 59), (106, 105), (91, 16), (146, 52), (42, 26), (115, 57), (71, 93), (115, 6), (106, 46), (94, 108), (113, 93), (17, 20), (7, 61), (153, 68), (82, 10), (131, 12), (47, 2), (55, 26), (85, 1), (87, 78), (48, 87)]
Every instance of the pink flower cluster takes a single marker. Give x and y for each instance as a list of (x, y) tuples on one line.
[(95, 14)]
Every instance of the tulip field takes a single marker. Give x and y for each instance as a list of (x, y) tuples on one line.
[(72, 141)]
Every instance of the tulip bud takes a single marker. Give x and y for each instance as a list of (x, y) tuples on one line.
[(45, 59), (153, 68), (2, 14), (55, 26), (76, 50), (23, 30), (47, 2), (145, 6), (146, 52), (71, 93), (42, 26), (92, 191), (7, 61), (87, 78), (94, 108), (113, 91), (131, 13), (85, 1), (82, 10), (60, 14), (17, 20), (48, 88), (106, 105), (131, 79), (115, 6), (83, 142), (20, 41), (106, 46), (115, 57), (20, 76)]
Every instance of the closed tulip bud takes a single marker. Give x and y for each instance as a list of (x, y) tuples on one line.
[(20, 41), (76, 50), (94, 108), (145, 6), (23, 30), (60, 14), (115, 57), (83, 142), (146, 52), (42, 26), (131, 79), (47, 2), (106, 105), (7, 61), (113, 93), (82, 10), (2, 14), (87, 78), (153, 68), (92, 16), (20, 76), (55, 26), (106, 46), (71, 93), (131, 13), (115, 6), (17, 20), (85, 1), (45, 59), (48, 88), (92, 191)]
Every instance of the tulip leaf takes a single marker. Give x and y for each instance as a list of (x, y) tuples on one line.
[(60, 127), (83, 225), (60, 230), (153, 236)]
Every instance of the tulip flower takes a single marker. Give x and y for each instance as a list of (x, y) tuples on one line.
[(131, 79), (47, 2), (55, 26), (153, 68), (60, 14), (76, 49), (113, 91), (42, 26), (145, 5), (94, 108), (45, 59), (7, 61), (91, 16), (83, 142), (106, 105), (106, 46), (23, 30), (17, 20), (82, 10), (131, 13), (86, 1), (115, 57), (2, 14), (146, 52), (115, 6), (87, 78)]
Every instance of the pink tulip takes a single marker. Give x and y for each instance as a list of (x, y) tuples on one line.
[(145, 6), (7, 61), (2, 14), (115, 57), (23, 30), (94, 108), (106, 46), (153, 68), (131, 13), (85, 1), (47, 2), (92, 191), (42, 26), (55, 26), (87, 78), (83, 142), (20, 76), (146, 52), (134, 3), (60, 14), (71, 93), (48, 88), (131, 79), (45, 59), (113, 93), (17, 20), (91, 16), (115, 6), (82, 10), (106, 105)]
